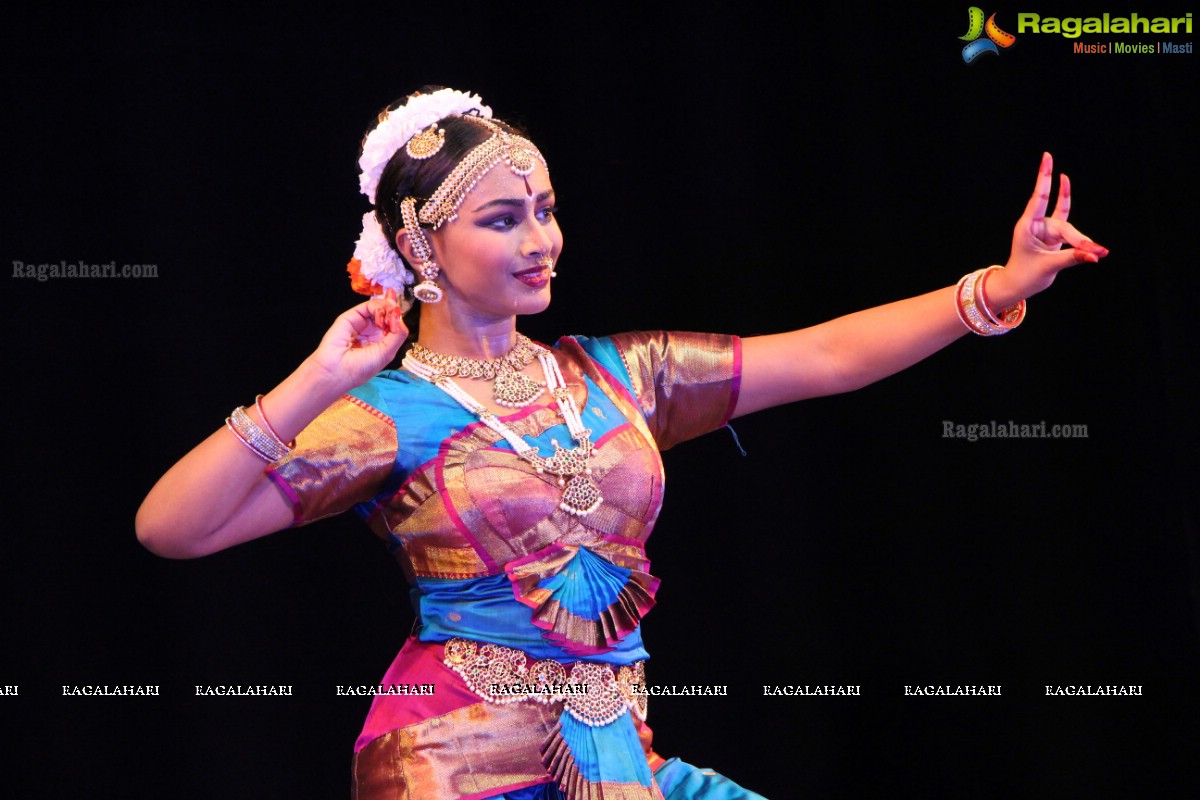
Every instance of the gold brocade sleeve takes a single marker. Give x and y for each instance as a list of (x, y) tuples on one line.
[(341, 458), (686, 383)]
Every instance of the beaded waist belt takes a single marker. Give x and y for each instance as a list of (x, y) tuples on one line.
[(595, 694)]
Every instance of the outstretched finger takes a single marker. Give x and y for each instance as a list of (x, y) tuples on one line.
[(1036, 209), (1063, 207)]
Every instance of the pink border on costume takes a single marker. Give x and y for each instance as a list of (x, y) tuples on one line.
[(505, 789), (613, 432), (640, 545), (609, 378), (574, 648), (289, 493), (537, 555), (412, 475), (370, 409), (439, 482), (736, 387), (516, 416), (619, 388)]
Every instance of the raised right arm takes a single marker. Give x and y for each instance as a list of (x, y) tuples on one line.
[(217, 495)]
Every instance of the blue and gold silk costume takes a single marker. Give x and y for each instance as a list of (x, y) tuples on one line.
[(493, 560)]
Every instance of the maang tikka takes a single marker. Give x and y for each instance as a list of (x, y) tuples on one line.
[(426, 291)]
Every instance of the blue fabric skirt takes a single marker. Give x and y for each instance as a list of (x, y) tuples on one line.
[(677, 779)]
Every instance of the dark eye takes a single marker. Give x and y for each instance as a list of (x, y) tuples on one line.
[(548, 213), (502, 223)]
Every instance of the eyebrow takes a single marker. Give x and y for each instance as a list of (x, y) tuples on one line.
[(510, 201)]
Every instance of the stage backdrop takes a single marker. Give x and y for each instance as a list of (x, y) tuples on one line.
[(720, 168)]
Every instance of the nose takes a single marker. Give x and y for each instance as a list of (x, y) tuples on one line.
[(537, 241)]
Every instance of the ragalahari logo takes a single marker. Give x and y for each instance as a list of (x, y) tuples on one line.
[(976, 27)]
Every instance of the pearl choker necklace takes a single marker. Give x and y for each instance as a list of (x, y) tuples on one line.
[(581, 495)]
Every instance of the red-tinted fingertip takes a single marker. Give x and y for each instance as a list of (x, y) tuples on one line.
[(1084, 256), (1046, 163)]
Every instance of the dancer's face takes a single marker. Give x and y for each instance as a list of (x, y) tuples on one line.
[(494, 257)]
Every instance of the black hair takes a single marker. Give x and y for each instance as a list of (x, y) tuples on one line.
[(404, 176)]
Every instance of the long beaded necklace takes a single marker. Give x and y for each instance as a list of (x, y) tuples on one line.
[(581, 496), (510, 387)]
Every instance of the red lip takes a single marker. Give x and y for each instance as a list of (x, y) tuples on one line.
[(536, 277)]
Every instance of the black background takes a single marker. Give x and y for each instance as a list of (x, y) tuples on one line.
[(727, 168)]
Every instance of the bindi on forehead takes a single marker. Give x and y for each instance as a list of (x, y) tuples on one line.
[(501, 187)]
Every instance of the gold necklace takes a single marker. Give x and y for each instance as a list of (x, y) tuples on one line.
[(510, 387)]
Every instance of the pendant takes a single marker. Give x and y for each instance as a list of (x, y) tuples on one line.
[(515, 389), (568, 462), (582, 496)]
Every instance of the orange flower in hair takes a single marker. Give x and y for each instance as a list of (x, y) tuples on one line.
[(359, 282)]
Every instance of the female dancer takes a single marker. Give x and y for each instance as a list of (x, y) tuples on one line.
[(517, 483)]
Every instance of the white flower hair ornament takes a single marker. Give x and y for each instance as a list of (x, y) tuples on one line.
[(405, 122), (378, 264), (376, 267)]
